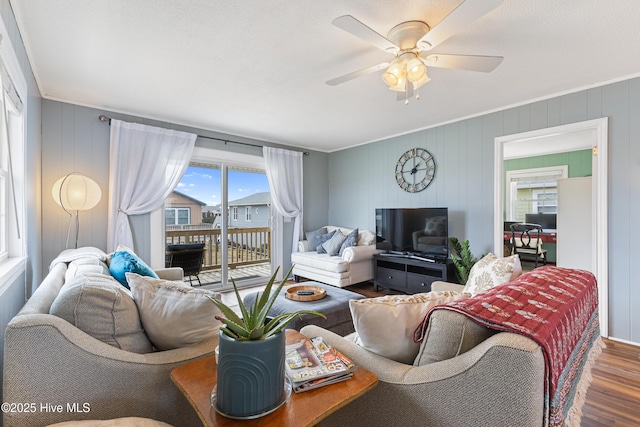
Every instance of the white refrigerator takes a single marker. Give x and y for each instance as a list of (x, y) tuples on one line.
[(575, 225)]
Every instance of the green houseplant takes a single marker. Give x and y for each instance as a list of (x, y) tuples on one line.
[(251, 374), (253, 324), (462, 259)]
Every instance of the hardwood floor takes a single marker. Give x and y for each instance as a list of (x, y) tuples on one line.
[(613, 399)]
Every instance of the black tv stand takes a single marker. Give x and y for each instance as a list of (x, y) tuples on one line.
[(410, 255), (409, 273)]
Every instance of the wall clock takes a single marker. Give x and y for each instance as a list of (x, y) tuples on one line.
[(415, 170)]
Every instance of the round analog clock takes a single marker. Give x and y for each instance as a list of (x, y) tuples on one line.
[(415, 170)]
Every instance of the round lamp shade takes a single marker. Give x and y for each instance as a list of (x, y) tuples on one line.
[(76, 192)]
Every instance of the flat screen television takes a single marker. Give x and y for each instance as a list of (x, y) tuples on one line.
[(546, 221), (413, 231)]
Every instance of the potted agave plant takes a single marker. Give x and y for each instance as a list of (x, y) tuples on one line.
[(251, 375)]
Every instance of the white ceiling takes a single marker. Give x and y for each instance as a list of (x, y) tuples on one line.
[(258, 68)]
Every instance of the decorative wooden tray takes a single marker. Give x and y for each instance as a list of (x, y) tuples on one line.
[(305, 293)]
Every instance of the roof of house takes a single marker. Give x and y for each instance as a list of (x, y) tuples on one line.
[(190, 198), (214, 209), (263, 198)]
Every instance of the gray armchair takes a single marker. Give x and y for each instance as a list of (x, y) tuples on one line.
[(433, 238)]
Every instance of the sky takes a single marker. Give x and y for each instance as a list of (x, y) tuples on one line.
[(204, 184)]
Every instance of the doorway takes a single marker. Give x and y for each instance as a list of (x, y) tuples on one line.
[(553, 140)]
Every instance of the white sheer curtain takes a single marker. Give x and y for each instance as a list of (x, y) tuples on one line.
[(284, 173), (146, 164)]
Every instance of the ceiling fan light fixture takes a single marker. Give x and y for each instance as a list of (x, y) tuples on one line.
[(389, 78), (416, 70), (400, 86), (395, 74), (409, 42), (423, 81)]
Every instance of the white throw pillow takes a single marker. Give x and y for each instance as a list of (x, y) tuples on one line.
[(366, 237), (491, 271), (173, 314), (385, 325), (86, 265), (517, 267)]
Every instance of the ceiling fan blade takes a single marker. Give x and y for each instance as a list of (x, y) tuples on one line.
[(460, 18), (356, 74), (354, 27), (483, 64)]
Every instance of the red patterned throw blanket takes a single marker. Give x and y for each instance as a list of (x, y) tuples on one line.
[(557, 308)]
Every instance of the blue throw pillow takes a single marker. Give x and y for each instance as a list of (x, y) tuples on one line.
[(332, 246), (311, 235), (321, 239), (351, 240), (125, 262)]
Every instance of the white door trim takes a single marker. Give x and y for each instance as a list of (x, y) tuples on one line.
[(599, 197)]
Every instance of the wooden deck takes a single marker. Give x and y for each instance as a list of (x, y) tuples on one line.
[(212, 278)]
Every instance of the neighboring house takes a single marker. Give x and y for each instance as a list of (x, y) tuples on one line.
[(250, 211), (182, 210), (214, 212)]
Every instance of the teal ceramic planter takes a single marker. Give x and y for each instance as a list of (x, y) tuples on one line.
[(251, 376)]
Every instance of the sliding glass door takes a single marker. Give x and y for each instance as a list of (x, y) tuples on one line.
[(227, 207)]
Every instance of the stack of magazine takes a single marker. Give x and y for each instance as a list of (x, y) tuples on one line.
[(312, 363)]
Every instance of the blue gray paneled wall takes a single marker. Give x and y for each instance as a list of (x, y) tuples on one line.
[(362, 179), (75, 140)]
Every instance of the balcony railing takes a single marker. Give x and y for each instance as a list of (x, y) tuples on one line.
[(246, 246)]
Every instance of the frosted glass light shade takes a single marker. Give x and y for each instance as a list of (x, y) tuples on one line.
[(401, 85), (394, 73), (76, 192), (423, 80), (389, 78), (416, 70)]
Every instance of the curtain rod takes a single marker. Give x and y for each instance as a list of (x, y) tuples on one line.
[(104, 118)]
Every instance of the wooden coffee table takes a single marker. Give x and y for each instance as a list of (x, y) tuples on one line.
[(196, 380)]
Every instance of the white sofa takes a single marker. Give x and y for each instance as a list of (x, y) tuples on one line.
[(355, 265)]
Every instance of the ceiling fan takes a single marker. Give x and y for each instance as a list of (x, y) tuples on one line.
[(410, 43)]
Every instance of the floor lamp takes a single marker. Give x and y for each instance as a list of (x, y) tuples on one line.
[(75, 192)]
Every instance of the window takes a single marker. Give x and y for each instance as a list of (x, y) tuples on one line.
[(11, 163), (533, 191), (4, 183), (247, 213), (234, 213), (177, 216), (183, 216), (545, 200)]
